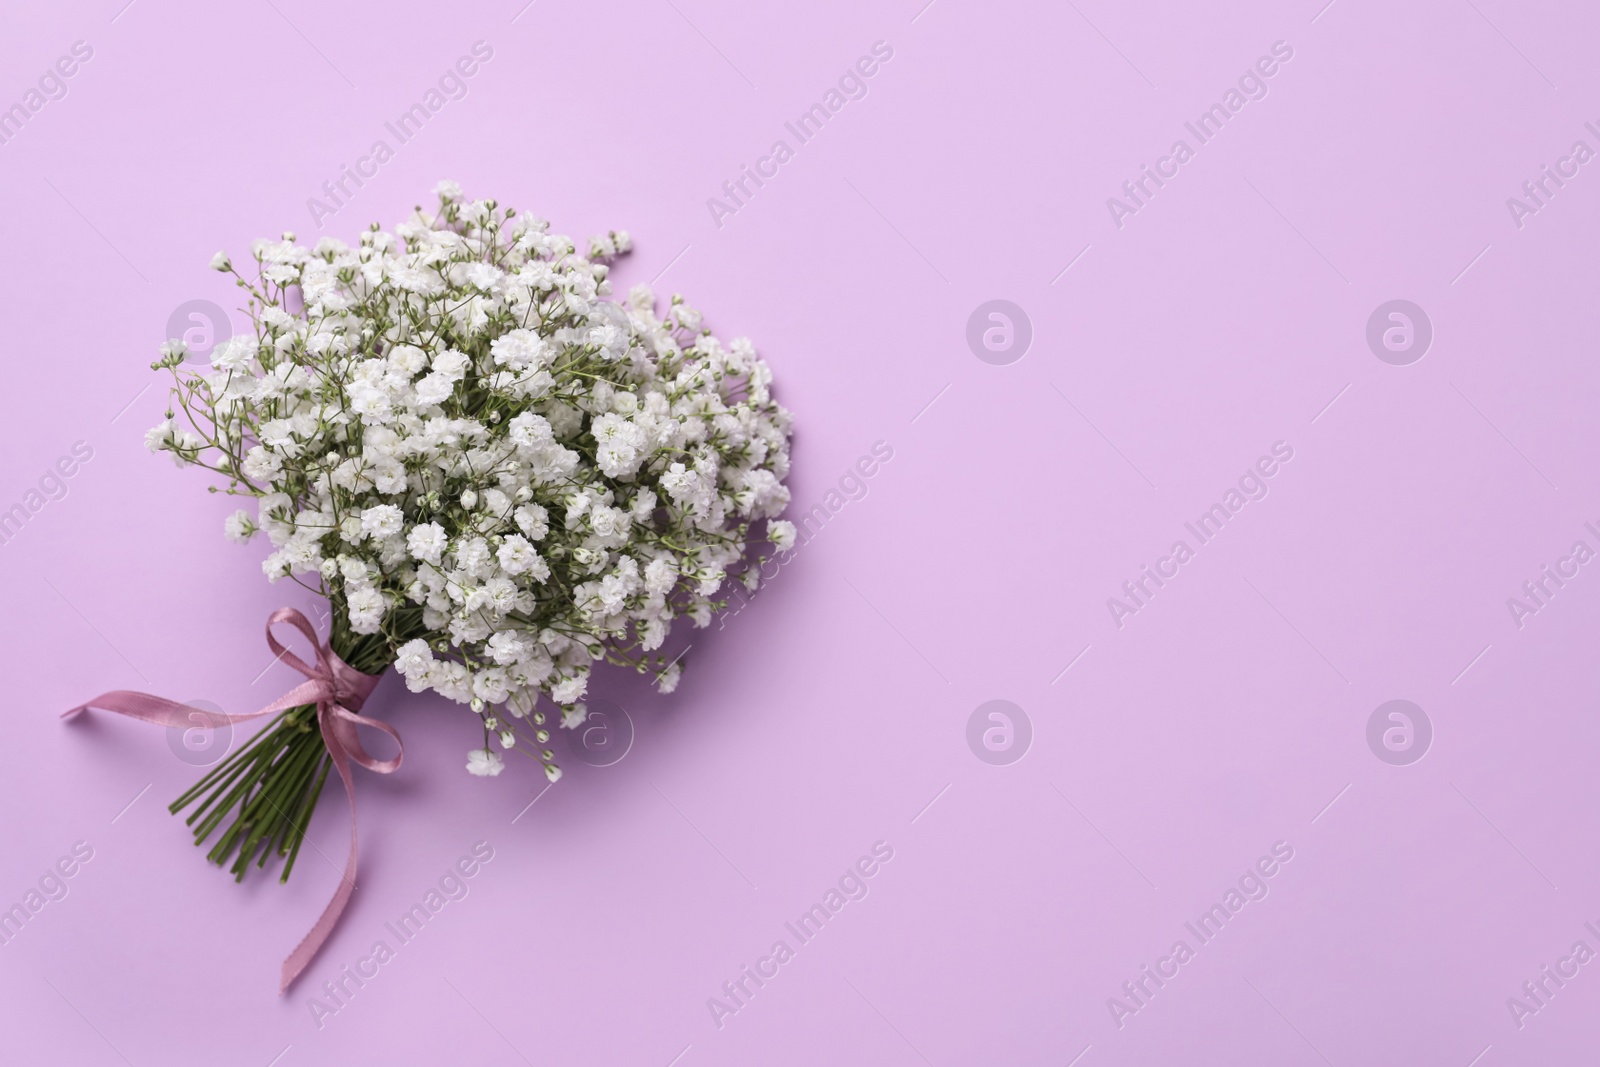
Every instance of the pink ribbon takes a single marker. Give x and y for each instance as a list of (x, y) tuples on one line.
[(338, 690)]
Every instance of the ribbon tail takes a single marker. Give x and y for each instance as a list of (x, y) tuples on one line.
[(160, 711), (312, 943)]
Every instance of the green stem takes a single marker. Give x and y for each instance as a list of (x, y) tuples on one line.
[(297, 791), (298, 835)]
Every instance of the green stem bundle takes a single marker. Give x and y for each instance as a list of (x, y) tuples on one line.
[(266, 792)]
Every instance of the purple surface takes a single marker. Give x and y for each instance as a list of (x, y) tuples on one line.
[(1168, 755)]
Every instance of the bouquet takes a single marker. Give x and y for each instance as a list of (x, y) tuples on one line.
[(495, 475)]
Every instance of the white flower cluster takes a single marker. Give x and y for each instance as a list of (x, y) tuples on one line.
[(455, 437)]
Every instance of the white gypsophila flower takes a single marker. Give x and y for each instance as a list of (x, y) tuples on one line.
[(569, 689), (234, 354), (367, 607), (485, 763), (781, 532), (239, 526), (668, 681), (159, 437), (382, 520), (413, 658), (427, 542), (488, 465)]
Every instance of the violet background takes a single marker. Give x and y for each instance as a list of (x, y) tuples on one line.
[(1223, 317)]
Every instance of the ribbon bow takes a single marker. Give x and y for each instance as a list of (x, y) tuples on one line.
[(338, 690)]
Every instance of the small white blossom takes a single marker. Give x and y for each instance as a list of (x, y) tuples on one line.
[(485, 763), (668, 681), (239, 526), (234, 354), (565, 692), (367, 608), (382, 520), (159, 436), (533, 520), (517, 556), (413, 658), (781, 533), (427, 542)]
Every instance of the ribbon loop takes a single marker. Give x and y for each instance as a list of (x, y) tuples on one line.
[(301, 623), (338, 690), (344, 723)]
